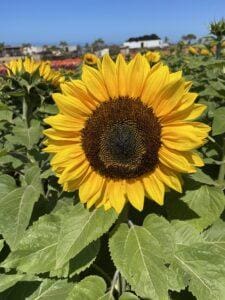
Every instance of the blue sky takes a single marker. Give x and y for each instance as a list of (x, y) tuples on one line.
[(50, 21)]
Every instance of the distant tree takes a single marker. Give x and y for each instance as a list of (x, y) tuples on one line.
[(146, 37), (53, 48), (166, 39), (63, 45), (26, 45), (98, 45), (87, 48), (2, 45), (189, 38), (79, 50), (46, 47), (114, 50)]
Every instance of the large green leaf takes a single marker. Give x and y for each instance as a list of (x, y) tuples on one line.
[(90, 288), (208, 202), (52, 290), (8, 280), (7, 184), (78, 263), (218, 126), (128, 296), (107, 296), (1, 244), (215, 236), (140, 254), (6, 115), (37, 251), (199, 262), (201, 177), (32, 178), (23, 135), (16, 205), (79, 227)]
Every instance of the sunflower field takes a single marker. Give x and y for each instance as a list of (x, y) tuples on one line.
[(112, 178)]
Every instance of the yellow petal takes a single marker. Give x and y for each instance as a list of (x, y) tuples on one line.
[(91, 189), (138, 70), (169, 98), (184, 136), (154, 188), (74, 185), (169, 178), (62, 135), (196, 112), (71, 106), (175, 160), (67, 155), (94, 82), (116, 195), (154, 84), (65, 123), (121, 69), (182, 110), (74, 171), (59, 145), (195, 159), (77, 89), (135, 193), (110, 76), (107, 205), (175, 76)]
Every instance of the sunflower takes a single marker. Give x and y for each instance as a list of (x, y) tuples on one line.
[(152, 56), (205, 52), (192, 50), (17, 67), (124, 132), (90, 59)]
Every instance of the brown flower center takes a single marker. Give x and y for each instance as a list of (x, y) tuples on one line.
[(121, 139)]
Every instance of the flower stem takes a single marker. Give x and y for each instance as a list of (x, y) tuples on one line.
[(218, 49), (25, 110), (222, 166), (114, 281)]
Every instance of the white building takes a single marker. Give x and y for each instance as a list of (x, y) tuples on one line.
[(102, 52), (72, 48), (32, 50), (147, 41)]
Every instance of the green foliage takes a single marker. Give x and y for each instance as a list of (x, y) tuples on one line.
[(24, 135), (139, 254), (207, 202), (52, 247), (218, 125)]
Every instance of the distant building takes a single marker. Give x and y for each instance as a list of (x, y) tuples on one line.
[(72, 48), (124, 50), (146, 41), (102, 52), (12, 51), (30, 50)]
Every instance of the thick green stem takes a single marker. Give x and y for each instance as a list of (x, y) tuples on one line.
[(218, 49), (25, 109), (27, 113), (222, 166)]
